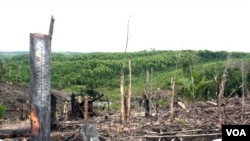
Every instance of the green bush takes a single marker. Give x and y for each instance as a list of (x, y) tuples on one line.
[(2, 110), (161, 102)]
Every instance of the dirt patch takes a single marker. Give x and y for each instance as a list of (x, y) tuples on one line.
[(198, 122)]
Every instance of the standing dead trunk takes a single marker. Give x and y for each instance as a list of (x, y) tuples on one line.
[(122, 96), (40, 80), (53, 112), (146, 97), (125, 104), (220, 96), (74, 105), (129, 92), (86, 100), (173, 88), (40, 97), (243, 92), (172, 100)]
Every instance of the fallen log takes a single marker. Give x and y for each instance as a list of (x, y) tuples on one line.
[(16, 132)]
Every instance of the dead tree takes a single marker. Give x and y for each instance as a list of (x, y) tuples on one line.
[(122, 96), (172, 100), (40, 80), (220, 95), (65, 110), (74, 105), (146, 101), (53, 112), (86, 99), (243, 92), (173, 89), (84, 109), (146, 95), (128, 95)]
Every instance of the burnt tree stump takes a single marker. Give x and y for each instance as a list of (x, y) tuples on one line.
[(53, 112), (78, 106), (73, 105), (40, 97), (40, 84)]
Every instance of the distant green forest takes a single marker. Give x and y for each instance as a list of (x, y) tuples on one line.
[(196, 71)]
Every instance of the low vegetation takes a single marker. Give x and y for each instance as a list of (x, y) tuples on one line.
[(2, 110)]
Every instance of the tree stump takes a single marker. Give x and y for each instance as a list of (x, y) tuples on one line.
[(40, 75), (53, 112), (89, 133)]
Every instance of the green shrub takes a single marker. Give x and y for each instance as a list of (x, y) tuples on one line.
[(2, 110), (182, 121), (161, 102)]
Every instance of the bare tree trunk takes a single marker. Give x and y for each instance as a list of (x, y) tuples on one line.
[(172, 100), (243, 92), (124, 115), (129, 91), (192, 79), (40, 80), (53, 124), (220, 96), (173, 89), (147, 95), (86, 99), (73, 105), (122, 96), (40, 97), (3, 72)]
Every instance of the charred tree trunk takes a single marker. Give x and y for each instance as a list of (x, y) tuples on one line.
[(40, 97), (53, 112), (40, 75), (84, 109), (146, 96), (146, 105), (74, 105)]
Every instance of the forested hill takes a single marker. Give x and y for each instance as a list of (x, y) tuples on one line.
[(103, 69)]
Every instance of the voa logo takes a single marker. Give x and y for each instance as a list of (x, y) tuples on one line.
[(236, 132)]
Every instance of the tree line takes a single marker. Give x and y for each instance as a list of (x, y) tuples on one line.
[(197, 69)]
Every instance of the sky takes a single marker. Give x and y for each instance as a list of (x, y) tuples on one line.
[(101, 25)]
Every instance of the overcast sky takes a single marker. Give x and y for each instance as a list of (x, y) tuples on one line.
[(101, 25)]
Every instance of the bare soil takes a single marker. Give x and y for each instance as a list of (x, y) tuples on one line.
[(198, 122)]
